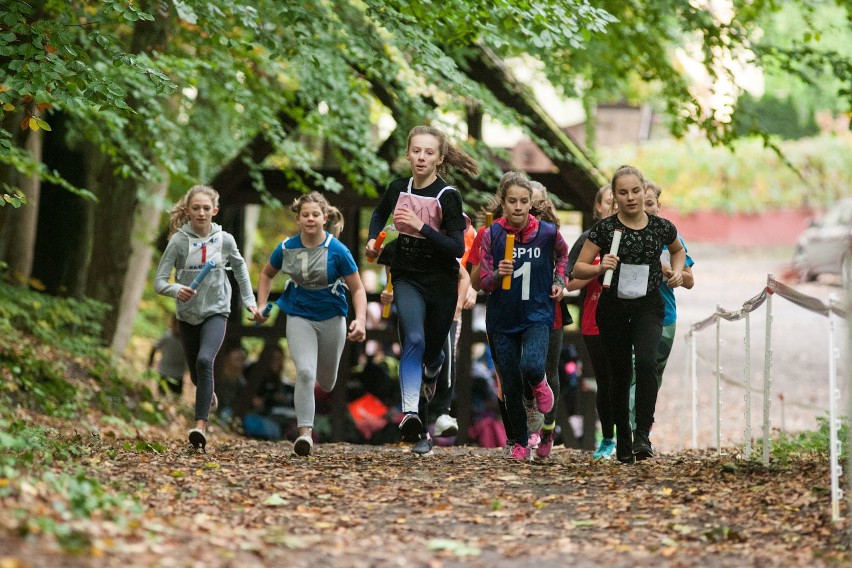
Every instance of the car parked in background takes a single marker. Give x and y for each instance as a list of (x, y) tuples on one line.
[(826, 246)]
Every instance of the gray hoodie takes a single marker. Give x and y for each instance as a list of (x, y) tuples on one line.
[(187, 253)]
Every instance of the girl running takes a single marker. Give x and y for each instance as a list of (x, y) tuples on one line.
[(202, 311), (319, 266), (630, 310), (519, 320), (427, 212)]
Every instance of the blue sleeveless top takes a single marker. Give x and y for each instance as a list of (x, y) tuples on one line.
[(528, 301)]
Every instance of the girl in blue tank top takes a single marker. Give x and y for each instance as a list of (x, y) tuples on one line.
[(518, 319)]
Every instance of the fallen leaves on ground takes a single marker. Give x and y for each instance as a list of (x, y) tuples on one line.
[(250, 503)]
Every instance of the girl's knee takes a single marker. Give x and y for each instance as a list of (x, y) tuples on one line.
[(204, 362)]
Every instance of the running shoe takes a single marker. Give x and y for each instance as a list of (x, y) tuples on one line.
[(543, 396), (520, 453), (214, 403), (624, 447), (642, 447), (423, 446), (533, 440), (197, 439), (411, 427), (535, 419), (546, 444), (446, 426), (304, 445), (605, 450)]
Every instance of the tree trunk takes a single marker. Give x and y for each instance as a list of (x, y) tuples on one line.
[(19, 225), (145, 227), (113, 218)]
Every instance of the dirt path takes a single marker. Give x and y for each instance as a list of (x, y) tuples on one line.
[(248, 503)]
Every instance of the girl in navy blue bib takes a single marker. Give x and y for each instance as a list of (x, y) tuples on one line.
[(519, 319)]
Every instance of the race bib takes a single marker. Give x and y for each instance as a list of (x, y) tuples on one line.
[(633, 281)]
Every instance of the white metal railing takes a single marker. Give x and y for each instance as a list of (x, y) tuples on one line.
[(834, 307)]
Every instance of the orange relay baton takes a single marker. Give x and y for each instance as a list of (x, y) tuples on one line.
[(489, 219), (378, 244), (510, 248), (387, 307)]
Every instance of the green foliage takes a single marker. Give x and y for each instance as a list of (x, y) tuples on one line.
[(786, 448), (773, 115), (694, 175), (23, 445), (52, 359)]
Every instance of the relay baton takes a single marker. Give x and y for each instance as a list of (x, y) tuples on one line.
[(616, 240), (377, 245), (489, 219), (387, 307), (510, 248), (266, 311), (211, 264)]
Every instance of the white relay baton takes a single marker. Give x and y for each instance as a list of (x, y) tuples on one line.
[(616, 241)]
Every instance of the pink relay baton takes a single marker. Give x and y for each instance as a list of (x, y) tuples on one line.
[(211, 264), (616, 241)]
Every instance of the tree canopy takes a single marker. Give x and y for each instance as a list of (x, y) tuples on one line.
[(133, 99), (215, 74)]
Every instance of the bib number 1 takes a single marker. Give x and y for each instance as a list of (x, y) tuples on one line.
[(524, 272)]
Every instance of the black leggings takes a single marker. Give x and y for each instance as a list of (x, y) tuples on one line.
[(603, 378), (631, 327), (201, 344)]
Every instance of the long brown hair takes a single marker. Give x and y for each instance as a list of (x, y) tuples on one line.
[(178, 215), (544, 208), (452, 155)]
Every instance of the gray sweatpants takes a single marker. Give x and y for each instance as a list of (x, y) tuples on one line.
[(316, 347)]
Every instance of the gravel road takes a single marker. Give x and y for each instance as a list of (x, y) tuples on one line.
[(728, 277)]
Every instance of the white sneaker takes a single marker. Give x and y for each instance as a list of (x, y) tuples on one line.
[(446, 426), (535, 419), (304, 445)]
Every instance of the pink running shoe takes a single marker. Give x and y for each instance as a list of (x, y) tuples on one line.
[(520, 453), (534, 440), (545, 444), (543, 396)]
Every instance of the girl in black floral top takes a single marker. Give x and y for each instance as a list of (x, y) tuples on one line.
[(630, 311)]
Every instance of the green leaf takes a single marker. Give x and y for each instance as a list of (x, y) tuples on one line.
[(275, 500)]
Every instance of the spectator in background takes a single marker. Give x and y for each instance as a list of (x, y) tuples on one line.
[(268, 411), (230, 380), (171, 365)]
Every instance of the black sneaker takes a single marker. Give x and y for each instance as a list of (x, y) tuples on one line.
[(624, 448), (642, 447), (197, 439), (423, 446), (411, 427)]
